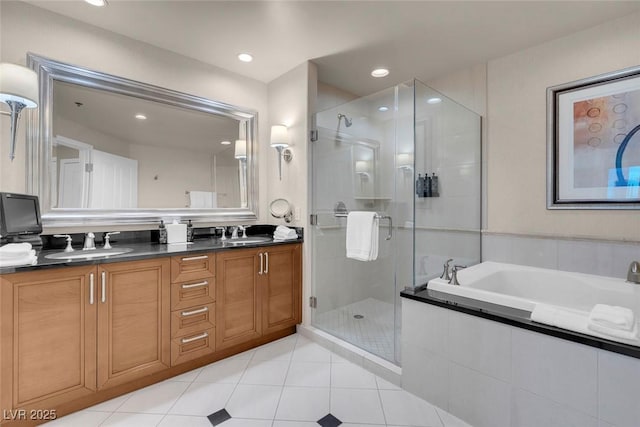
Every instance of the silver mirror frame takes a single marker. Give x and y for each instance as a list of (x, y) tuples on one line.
[(40, 137)]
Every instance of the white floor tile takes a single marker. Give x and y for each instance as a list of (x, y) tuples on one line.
[(403, 408), (254, 401), (245, 422), (187, 377), (155, 399), (386, 385), (303, 404), (349, 375), (265, 372), (449, 420), (133, 420), (356, 406), (184, 421), (81, 419), (223, 371), (309, 374), (277, 350), (110, 405), (203, 399), (308, 351), (281, 423)]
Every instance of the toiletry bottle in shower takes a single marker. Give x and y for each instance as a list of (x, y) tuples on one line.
[(435, 192), (420, 186), (189, 232), (427, 187), (162, 235)]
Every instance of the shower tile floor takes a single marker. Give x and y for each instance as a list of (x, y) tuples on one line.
[(292, 382), (372, 332)]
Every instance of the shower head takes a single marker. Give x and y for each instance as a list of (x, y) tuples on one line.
[(347, 121)]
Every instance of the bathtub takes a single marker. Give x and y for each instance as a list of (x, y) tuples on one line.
[(522, 287)]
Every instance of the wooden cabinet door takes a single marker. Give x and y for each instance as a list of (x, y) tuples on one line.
[(237, 301), (48, 336), (281, 287), (133, 320)]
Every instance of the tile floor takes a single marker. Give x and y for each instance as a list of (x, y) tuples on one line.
[(292, 382), (373, 332)]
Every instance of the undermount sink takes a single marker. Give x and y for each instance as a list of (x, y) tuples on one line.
[(247, 241), (97, 253)]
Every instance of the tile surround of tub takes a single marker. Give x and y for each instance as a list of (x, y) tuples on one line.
[(590, 256)]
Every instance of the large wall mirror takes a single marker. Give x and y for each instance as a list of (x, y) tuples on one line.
[(106, 150)]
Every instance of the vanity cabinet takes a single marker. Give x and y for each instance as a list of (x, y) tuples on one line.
[(258, 292), (68, 332)]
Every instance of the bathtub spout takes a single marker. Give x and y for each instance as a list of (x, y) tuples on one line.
[(633, 275)]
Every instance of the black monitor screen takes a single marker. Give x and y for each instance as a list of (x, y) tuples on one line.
[(20, 215)]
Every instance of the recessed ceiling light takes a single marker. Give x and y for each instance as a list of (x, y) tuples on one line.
[(225, 142), (141, 117), (380, 72), (245, 57), (383, 108), (98, 3), (435, 100)]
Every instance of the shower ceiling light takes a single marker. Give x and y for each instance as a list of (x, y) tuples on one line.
[(383, 108), (98, 3), (245, 57), (434, 100), (225, 142), (141, 117), (380, 72)]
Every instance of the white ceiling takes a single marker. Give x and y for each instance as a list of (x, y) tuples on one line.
[(347, 39)]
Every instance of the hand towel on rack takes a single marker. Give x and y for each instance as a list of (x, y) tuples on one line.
[(362, 236)]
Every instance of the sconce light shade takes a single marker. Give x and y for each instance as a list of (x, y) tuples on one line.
[(18, 89), (362, 166), (241, 149), (279, 136), (18, 84), (404, 161)]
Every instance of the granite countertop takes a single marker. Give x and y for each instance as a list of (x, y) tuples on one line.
[(513, 317), (143, 250)]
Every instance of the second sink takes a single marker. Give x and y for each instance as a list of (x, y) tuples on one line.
[(247, 241), (80, 255)]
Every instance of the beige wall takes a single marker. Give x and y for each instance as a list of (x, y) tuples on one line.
[(517, 130), (25, 28)]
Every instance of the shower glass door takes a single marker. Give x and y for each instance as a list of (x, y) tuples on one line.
[(363, 149)]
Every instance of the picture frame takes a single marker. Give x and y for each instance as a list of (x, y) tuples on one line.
[(593, 142)]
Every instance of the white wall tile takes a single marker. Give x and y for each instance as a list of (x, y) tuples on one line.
[(557, 369), (534, 252), (425, 326), (530, 410), (426, 375), (585, 257), (480, 400), (619, 389), (480, 344)]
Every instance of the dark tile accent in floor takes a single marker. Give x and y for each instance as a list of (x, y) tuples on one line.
[(219, 417), (329, 421)]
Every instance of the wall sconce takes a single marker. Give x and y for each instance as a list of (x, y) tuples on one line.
[(18, 89), (404, 161), (241, 149), (362, 168), (280, 141)]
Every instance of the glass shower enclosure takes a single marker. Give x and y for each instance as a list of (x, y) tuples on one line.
[(414, 157)]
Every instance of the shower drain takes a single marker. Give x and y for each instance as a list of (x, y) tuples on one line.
[(358, 316)]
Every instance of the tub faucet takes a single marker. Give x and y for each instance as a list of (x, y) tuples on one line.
[(445, 274), (633, 275), (454, 274)]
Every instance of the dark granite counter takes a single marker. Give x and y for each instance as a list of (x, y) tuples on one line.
[(513, 317), (145, 250)]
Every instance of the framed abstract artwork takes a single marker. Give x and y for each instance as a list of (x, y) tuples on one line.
[(593, 142)]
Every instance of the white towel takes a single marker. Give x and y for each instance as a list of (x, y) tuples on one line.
[(203, 199), (29, 259), (612, 317), (578, 321), (617, 333), (362, 236), (15, 250), (284, 233)]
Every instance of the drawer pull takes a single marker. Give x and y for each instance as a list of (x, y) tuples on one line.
[(196, 338), (261, 263), (91, 289), (195, 285), (194, 258), (266, 268), (191, 313), (103, 296)]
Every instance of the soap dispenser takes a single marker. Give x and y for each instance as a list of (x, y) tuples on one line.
[(189, 231), (162, 233), (435, 192), (420, 186)]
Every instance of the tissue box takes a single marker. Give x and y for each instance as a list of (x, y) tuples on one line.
[(176, 233)]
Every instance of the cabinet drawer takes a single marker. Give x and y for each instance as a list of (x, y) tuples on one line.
[(192, 320), (192, 267), (193, 293), (192, 346)]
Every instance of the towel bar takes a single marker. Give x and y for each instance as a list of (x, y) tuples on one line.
[(379, 216)]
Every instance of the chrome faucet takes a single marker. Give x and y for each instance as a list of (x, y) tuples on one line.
[(224, 232), (454, 274), (234, 233), (243, 228), (69, 248), (445, 273), (633, 275), (89, 242), (107, 236)]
